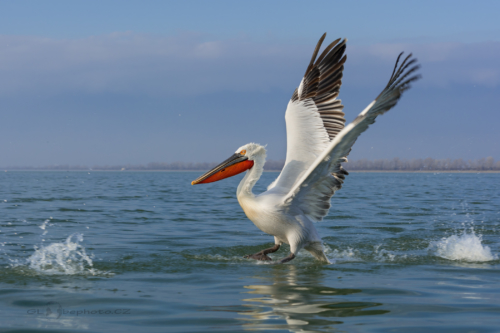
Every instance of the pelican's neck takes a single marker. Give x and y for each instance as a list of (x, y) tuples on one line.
[(251, 177)]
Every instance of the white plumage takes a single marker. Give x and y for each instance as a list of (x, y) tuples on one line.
[(317, 144)]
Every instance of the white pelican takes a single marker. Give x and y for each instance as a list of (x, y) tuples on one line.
[(317, 144)]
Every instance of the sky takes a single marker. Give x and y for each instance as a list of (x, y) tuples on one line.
[(133, 82)]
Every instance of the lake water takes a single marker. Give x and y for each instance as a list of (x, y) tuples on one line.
[(148, 252)]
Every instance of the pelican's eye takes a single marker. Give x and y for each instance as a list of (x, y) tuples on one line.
[(243, 152)]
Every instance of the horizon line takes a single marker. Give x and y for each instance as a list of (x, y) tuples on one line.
[(394, 164)]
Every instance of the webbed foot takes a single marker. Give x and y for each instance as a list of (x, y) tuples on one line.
[(262, 255), (286, 259)]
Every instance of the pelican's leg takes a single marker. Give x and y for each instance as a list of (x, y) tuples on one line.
[(262, 255), (294, 248), (287, 259)]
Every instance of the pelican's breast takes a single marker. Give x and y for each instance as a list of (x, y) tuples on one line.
[(266, 216), (251, 208)]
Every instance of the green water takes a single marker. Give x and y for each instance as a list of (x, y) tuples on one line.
[(148, 252)]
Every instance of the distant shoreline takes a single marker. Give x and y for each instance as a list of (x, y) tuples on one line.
[(428, 171), (350, 171), (482, 165)]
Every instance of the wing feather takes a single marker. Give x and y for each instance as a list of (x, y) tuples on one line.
[(314, 114), (313, 191)]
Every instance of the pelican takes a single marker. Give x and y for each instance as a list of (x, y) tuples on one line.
[(318, 142)]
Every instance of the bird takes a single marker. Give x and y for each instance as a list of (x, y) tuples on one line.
[(318, 142)]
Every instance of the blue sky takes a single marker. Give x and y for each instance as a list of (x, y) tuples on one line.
[(115, 82)]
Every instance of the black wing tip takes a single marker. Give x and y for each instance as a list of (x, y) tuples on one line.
[(315, 54), (400, 80), (315, 60), (400, 74)]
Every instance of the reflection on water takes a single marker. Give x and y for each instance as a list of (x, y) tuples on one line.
[(284, 302)]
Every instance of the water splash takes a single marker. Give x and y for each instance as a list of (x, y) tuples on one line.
[(343, 256), (67, 258), (467, 247), (44, 225)]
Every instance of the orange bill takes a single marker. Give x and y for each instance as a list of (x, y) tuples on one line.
[(234, 165)]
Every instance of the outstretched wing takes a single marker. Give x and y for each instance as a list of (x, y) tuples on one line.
[(312, 192), (314, 114)]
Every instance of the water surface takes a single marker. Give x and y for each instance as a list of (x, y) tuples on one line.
[(148, 252)]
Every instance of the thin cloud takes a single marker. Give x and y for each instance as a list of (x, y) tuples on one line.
[(189, 64), (443, 64)]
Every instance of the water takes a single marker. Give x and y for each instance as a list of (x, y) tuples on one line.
[(148, 252)]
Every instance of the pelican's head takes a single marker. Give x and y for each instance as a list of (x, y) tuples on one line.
[(243, 159)]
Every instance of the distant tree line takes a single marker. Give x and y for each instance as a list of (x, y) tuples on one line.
[(395, 164), (427, 164)]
